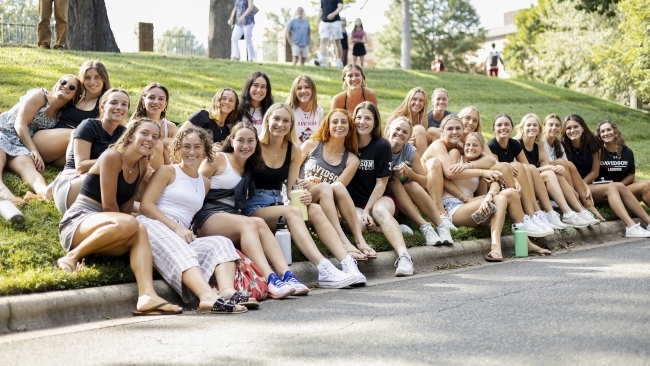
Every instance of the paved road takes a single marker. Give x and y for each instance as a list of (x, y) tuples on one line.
[(589, 306)]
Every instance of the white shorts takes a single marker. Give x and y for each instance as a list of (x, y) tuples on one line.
[(333, 29), (298, 51)]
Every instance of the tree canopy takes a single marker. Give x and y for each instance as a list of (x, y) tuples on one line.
[(448, 29)]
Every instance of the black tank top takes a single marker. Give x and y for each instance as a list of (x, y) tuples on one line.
[(91, 187), (71, 116), (345, 102), (531, 156), (269, 178)]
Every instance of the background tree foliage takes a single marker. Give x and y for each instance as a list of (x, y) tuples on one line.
[(446, 28), (19, 12), (556, 43), (179, 41), (602, 7)]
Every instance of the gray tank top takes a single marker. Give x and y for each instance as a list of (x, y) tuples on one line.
[(316, 166), (406, 154)]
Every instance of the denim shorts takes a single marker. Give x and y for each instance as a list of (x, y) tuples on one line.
[(263, 198), (451, 205)]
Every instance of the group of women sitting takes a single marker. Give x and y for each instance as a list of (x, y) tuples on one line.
[(127, 180)]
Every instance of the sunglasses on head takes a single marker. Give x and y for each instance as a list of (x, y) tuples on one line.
[(71, 86)]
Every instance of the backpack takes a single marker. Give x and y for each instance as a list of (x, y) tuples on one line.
[(249, 279), (494, 59)]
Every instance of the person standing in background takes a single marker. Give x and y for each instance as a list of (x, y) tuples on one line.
[(60, 17), (329, 25), (358, 40), (242, 20), (298, 35), (344, 42), (492, 62)]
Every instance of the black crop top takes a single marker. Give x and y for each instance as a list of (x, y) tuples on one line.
[(91, 188), (531, 156), (71, 116), (269, 178)]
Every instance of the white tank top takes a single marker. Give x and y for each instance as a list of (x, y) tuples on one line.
[(177, 200), (226, 180), (468, 186)]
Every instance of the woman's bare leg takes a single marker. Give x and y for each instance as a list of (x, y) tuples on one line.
[(641, 190), (349, 214), (23, 165), (632, 203), (382, 212), (405, 203), (52, 144), (435, 183), (420, 137), (424, 202), (610, 192)]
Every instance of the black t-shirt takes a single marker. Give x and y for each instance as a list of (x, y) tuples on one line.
[(531, 156), (614, 168), (202, 119), (91, 130), (376, 162), (508, 155), (432, 122), (71, 116), (329, 6), (582, 160)]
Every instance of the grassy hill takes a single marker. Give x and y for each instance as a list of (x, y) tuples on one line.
[(27, 250)]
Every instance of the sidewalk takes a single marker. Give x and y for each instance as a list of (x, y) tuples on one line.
[(59, 308)]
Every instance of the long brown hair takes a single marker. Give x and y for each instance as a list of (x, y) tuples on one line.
[(140, 110), (127, 137), (618, 136), (255, 162), (101, 70), (104, 98), (557, 143), (588, 141), (404, 109), (322, 133), (215, 108), (294, 102)]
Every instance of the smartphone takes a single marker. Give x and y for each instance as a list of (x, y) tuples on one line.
[(479, 217)]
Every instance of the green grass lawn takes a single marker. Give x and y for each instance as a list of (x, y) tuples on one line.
[(27, 250)]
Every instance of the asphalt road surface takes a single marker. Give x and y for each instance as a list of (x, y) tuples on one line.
[(587, 306)]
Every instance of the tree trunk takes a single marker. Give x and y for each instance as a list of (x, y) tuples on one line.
[(405, 62), (89, 28), (219, 31)]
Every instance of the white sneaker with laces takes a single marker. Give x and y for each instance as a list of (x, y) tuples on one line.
[(404, 265), (447, 222), (332, 277), (541, 223), (430, 235), (445, 234), (406, 229), (278, 289), (636, 231), (349, 265), (573, 219), (588, 216), (532, 230), (553, 218)]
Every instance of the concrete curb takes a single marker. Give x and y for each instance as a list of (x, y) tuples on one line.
[(59, 308)]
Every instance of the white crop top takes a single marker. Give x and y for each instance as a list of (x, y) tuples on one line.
[(226, 180)]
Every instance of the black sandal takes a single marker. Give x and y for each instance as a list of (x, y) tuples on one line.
[(222, 306), (243, 299)]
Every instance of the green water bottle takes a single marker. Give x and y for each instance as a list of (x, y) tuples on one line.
[(521, 240)]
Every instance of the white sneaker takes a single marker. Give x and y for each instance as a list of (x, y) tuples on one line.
[(404, 265), (291, 280), (430, 235), (573, 219), (406, 229), (447, 222), (588, 216), (349, 265), (332, 277), (553, 218), (533, 230), (539, 218), (445, 234), (636, 231), (339, 63)]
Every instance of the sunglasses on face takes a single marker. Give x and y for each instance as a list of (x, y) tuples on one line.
[(71, 86)]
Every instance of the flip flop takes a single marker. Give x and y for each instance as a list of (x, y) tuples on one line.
[(535, 253), (156, 310), (490, 257), (369, 252), (222, 306), (358, 252)]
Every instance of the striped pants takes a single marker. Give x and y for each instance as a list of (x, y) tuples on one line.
[(172, 255)]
